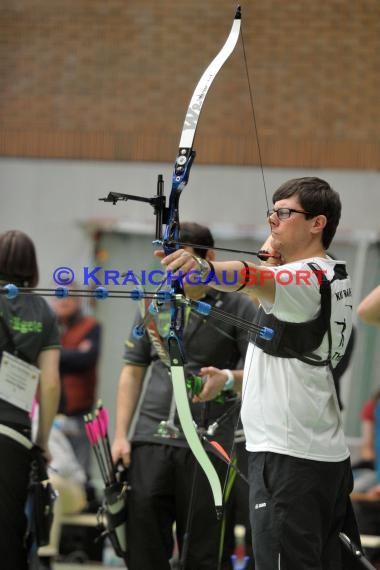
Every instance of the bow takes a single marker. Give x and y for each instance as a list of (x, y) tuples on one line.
[(183, 162), (169, 216)]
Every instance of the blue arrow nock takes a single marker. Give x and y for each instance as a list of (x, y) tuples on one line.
[(101, 293), (61, 292), (164, 296), (137, 294), (11, 291), (202, 308), (266, 333)]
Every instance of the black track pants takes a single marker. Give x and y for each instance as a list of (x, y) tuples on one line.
[(297, 508)]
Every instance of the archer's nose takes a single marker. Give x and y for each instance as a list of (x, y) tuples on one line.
[(273, 219)]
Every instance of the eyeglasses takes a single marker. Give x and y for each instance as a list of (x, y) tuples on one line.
[(285, 213)]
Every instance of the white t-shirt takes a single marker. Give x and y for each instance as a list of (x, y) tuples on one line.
[(288, 406)]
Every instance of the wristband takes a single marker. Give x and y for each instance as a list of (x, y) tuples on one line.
[(212, 268), (205, 267), (246, 279), (230, 382)]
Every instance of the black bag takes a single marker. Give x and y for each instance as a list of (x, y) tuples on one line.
[(41, 498)]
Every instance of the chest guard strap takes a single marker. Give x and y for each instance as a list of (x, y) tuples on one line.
[(300, 340)]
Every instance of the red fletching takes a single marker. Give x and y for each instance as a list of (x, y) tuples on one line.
[(221, 450)]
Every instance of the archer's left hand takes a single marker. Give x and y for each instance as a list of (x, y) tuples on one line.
[(178, 260)]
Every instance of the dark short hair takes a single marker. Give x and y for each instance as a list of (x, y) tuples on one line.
[(316, 197), (191, 232), (18, 260)]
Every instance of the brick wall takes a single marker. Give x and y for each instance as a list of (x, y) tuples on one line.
[(112, 80)]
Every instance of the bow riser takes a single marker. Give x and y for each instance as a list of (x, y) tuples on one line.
[(180, 178)]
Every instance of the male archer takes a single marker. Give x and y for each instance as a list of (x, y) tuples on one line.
[(299, 466)]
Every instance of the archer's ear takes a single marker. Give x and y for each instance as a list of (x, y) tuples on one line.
[(210, 255), (319, 223)]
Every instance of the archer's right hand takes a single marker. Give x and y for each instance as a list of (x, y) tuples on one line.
[(121, 451)]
